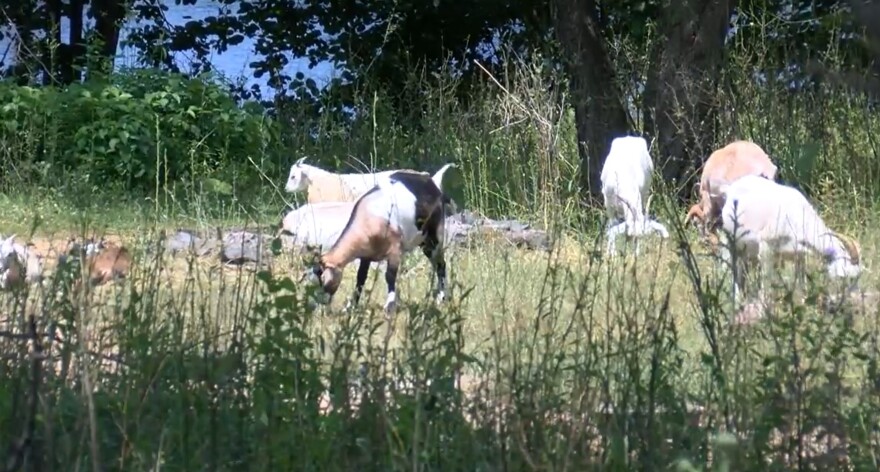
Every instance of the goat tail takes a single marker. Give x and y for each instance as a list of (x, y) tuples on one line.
[(438, 176), (851, 245)]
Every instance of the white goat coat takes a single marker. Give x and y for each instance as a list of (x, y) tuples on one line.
[(317, 224), (626, 183), (626, 178), (764, 216), (395, 204)]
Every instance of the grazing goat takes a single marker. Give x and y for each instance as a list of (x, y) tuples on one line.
[(404, 211), (766, 219), (28, 266), (324, 186), (723, 166), (626, 183)]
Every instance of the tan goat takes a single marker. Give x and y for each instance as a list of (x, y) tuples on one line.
[(724, 166), (103, 263), (111, 263)]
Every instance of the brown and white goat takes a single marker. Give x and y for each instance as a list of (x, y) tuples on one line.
[(406, 211), (723, 167), (103, 263)]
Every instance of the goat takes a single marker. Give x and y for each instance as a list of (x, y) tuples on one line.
[(391, 219), (766, 220), (317, 224), (12, 271), (103, 263), (626, 182), (30, 263), (325, 186), (723, 166)]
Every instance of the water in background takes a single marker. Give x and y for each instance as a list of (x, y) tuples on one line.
[(232, 63)]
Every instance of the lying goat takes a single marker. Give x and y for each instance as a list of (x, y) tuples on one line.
[(626, 183), (19, 264), (405, 211), (766, 219), (724, 166), (324, 186), (103, 263), (317, 224)]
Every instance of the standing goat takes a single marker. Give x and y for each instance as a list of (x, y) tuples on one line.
[(626, 184), (324, 186), (766, 219), (724, 166), (405, 211)]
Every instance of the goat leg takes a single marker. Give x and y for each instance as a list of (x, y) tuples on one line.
[(434, 252), (391, 268), (360, 281), (611, 235)]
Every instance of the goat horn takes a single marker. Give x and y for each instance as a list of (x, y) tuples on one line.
[(300, 160), (851, 245)]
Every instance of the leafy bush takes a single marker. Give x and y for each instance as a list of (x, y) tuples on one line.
[(140, 130)]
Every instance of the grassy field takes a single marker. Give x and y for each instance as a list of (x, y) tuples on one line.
[(559, 360)]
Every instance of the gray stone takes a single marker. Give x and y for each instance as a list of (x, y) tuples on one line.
[(240, 247)]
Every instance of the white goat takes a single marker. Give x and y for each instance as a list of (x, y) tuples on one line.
[(626, 183), (766, 219), (25, 266), (324, 186), (317, 224), (405, 211), (724, 166)]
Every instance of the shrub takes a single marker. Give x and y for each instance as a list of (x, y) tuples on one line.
[(140, 130)]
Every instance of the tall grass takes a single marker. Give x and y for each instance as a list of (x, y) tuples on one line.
[(562, 361)]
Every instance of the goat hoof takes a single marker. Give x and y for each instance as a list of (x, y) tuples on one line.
[(390, 307), (441, 297)]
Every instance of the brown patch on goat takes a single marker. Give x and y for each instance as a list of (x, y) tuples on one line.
[(111, 263), (15, 272), (851, 245), (726, 164), (368, 236)]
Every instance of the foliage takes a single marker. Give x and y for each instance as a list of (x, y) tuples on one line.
[(557, 364), (139, 131)]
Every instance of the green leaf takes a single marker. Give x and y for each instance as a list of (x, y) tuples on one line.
[(216, 186)]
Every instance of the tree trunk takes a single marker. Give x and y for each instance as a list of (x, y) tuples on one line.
[(77, 48), (680, 93), (599, 110), (108, 15)]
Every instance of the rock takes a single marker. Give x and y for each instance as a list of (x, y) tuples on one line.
[(240, 247), (185, 240), (465, 228)]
